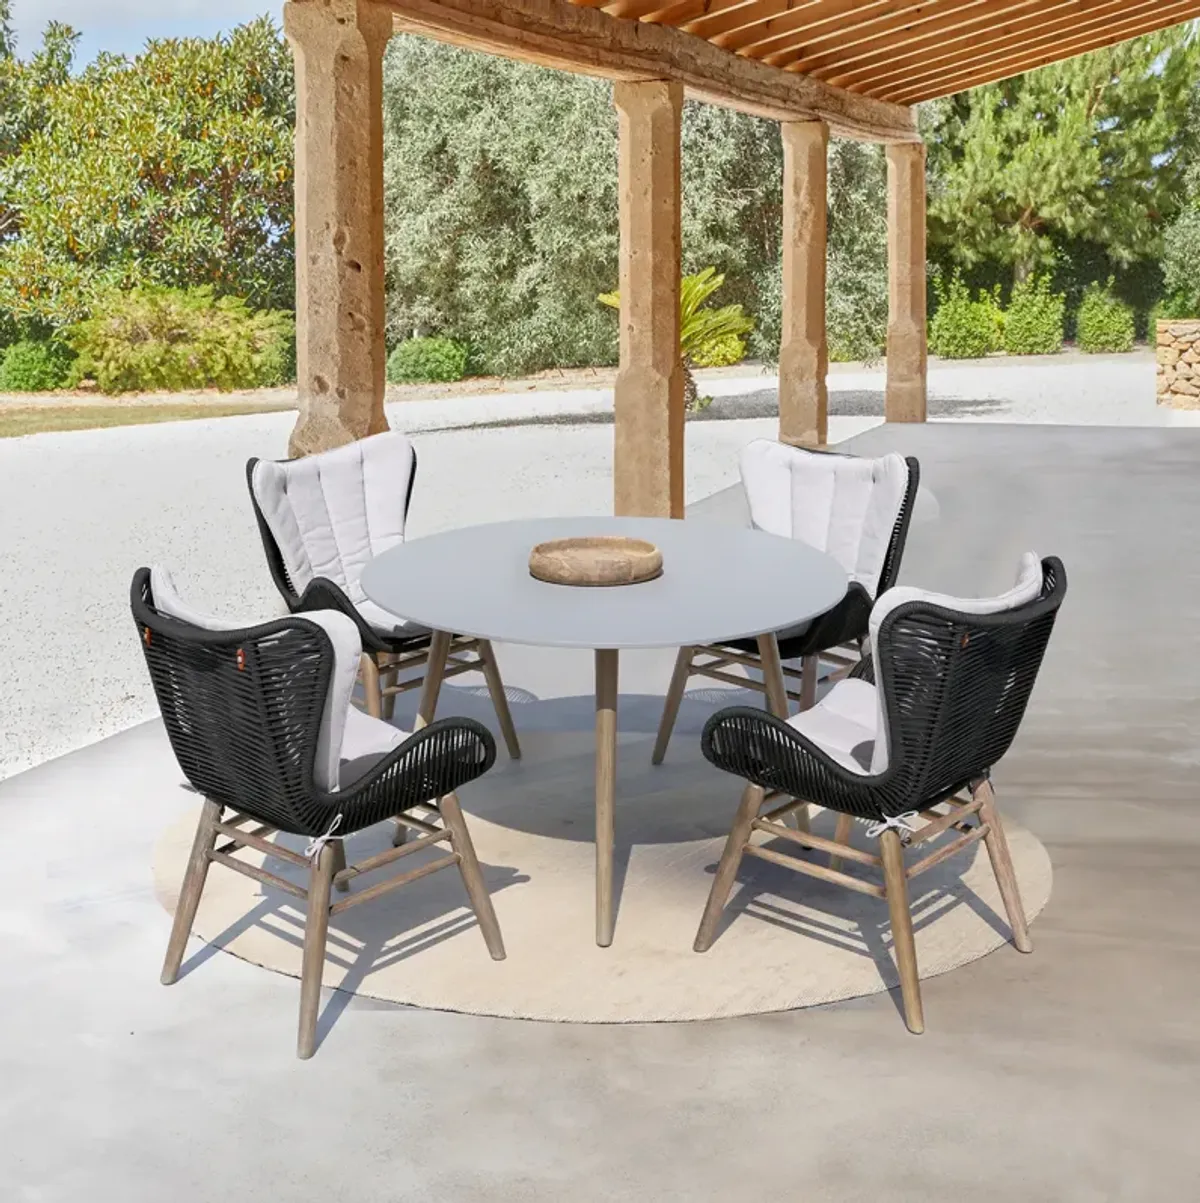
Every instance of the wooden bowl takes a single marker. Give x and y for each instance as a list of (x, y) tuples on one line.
[(596, 560)]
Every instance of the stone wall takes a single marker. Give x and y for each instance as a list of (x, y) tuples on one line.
[(1179, 364)]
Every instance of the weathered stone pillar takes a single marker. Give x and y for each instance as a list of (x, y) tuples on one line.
[(340, 349), (803, 350), (906, 350), (648, 448)]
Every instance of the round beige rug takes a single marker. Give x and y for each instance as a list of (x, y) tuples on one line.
[(787, 940)]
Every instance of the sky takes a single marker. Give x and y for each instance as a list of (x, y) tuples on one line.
[(122, 26)]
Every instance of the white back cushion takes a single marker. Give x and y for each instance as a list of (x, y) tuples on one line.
[(842, 505), (334, 512), (347, 648), (1026, 590)]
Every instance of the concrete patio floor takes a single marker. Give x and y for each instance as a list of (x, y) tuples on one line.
[(1069, 1075)]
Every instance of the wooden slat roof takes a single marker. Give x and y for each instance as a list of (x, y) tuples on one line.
[(906, 51)]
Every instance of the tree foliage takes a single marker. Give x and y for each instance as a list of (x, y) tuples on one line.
[(502, 212), (1092, 149), (172, 169)]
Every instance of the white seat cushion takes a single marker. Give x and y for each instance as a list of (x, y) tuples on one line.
[(1027, 588), (331, 514), (845, 506), (843, 724), (365, 743), (347, 649)]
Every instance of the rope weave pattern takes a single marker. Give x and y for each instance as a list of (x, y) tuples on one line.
[(243, 710), (956, 687)]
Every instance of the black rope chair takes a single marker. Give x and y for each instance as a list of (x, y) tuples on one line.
[(388, 655), (836, 636), (243, 710), (954, 690)]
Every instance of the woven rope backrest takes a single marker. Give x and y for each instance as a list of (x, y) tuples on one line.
[(895, 548), (242, 709), (957, 686)]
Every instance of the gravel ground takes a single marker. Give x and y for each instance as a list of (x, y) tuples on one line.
[(82, 510)]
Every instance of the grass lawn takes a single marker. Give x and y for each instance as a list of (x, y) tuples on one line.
[(17, 420)]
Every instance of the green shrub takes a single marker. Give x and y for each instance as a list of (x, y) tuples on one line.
[(34, 367), (1033, 324), (1104, 323), (427, 361), (1179, 307), (171, 340), (963, 328), (722, 352)]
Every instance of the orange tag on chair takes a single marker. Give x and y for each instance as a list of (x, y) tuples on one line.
[(241, 660), (146, 636)]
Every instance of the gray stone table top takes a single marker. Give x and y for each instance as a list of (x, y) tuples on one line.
[(717, 583)]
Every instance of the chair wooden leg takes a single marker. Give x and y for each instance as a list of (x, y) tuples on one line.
[(369, 672), (896, 885), (389, 676), (841, 834), (808, 682), (491, 673), (1002, 866), (472, 875), (316, 931), (679, 680), (727, 867), (339, 863), (191, 890)]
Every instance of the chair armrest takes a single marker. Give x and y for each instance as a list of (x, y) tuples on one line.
[(845, 623), (323, 594), (758, 747), (435, 761), (864, 670)]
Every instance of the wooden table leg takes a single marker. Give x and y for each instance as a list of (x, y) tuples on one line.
[(431, 687), (439, 649), (777, 698), (606, 775)]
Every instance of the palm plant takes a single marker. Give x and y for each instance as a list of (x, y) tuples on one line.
[(705, 335)]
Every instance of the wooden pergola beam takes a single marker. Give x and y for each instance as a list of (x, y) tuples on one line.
[(927, 24), (796, 23), (575, 38), (930, 56), (1048, 50)]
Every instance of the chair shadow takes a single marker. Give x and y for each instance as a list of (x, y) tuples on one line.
[(761, 883), (356, 940)]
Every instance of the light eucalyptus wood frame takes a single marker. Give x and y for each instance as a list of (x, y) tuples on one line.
[(380, 673), (959, 812), (328, 871)]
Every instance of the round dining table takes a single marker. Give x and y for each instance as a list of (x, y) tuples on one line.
[(718, 583)]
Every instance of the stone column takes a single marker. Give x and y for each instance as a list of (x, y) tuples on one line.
[(648, 448), (340, 350), (803, 350), (906, 349)]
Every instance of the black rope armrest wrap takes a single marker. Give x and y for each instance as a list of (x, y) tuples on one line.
[(435, 761), (323, 594), (756, 746)]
